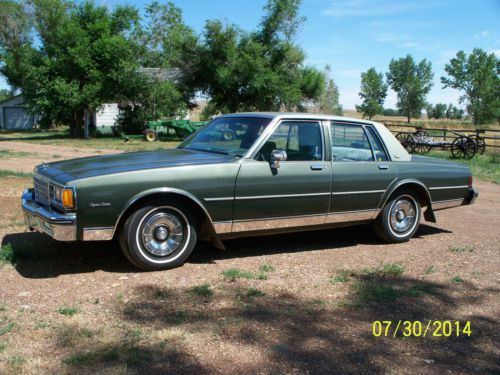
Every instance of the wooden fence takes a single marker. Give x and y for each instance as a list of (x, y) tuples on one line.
[(491, 136)]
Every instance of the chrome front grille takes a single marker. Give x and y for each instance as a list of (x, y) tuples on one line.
[(41, 186)]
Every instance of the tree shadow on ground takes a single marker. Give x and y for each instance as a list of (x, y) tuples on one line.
[(284, 333), (38, 256)]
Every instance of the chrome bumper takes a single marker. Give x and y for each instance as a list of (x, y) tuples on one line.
[(472, 195), (61, 227)]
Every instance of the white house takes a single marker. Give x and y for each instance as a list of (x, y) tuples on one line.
[(14, 114)]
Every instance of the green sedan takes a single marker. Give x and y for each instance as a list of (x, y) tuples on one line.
[(242, 175)]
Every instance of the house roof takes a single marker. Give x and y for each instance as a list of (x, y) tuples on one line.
[(12, 97)]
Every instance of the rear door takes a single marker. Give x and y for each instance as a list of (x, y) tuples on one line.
[(361, 172), (295, 194)]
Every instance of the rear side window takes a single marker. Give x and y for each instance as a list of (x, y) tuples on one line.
[(350, 143), (378, 149)]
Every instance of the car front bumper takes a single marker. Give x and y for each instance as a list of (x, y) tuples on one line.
[(61, 227)]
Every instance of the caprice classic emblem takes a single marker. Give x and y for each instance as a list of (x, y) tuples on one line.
[(100, 204)]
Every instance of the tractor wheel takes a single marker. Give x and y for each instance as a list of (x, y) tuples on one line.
[(150, 135)]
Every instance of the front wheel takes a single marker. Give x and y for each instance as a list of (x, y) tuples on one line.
[(158, 236), (399, 219)]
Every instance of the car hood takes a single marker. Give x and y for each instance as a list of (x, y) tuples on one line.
[(74, 169)]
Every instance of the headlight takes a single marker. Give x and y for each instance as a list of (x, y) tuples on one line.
[(62, 196)]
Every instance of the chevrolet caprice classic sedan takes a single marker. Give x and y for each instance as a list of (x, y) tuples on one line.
[(241, 175)]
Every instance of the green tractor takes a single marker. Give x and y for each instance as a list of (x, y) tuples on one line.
[(179, 128)]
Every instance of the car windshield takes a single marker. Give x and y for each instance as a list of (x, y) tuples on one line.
[(227, 135)]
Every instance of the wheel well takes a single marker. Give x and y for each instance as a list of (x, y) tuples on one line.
[(419, 190), (204, 224), (423, 198)]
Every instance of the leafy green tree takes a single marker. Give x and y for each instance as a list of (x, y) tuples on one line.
[(373, 92), (262, 70), (477, 76), (411, 82), (5, 94), (328, 101), (83, 58)]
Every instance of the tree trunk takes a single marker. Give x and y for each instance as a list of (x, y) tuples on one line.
[(76, 126), (408, 117)]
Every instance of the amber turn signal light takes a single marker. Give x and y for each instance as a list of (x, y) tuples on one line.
[(67, 198)]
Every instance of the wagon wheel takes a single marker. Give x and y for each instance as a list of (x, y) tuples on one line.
[(480, 144), (422, 147), (407, 141), (229, 135), (421, 133), (463, 148)]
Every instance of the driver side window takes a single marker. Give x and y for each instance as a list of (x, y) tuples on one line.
[(301, 140)]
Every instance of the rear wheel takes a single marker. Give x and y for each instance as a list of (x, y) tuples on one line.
[(151, 135), (158, 236), (407, 141), (399, 219)]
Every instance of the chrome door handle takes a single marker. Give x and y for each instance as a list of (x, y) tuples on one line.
[(317, 167), (383, 167)]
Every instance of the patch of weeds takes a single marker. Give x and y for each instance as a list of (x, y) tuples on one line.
[(85, 332), (2, 346), (3, 308), (420, 290), (120, 297), (457, 279), (370, 291), (350, 304), (318, 301), (7, 173), (233, 274), (7, 254), (266, 268), (262, 276), (56, 156), (40, 324), (16, 361), (430, 269), (180, 317), (135, 335), (161, 294), (91, 357), (252, 292), (7, 328), (462, 249), (341, 277), (202, 290), (70, 311)]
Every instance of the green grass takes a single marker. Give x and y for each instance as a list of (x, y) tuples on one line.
[(70, 311), (13, 154), (266, 268), (462, 249), (233, 274), (384, 270), (2, 347), (203, 290), (430, 269), (7, 328), (341, 277), (7, 173), (484, 167), (457, 279), (7, 254), (252, 292)]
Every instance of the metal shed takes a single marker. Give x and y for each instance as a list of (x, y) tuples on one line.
[(14, 114)]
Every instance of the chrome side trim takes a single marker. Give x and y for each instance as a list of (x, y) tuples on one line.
[(358, 192), (440, 205), (161, 190), (281, 196), (223, 227), (98, 234), (346, 216), (398, 185), (218, 199), (448, 187), (278, 222)]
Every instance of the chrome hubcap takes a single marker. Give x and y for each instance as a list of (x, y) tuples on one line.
[(402, 215), (162, 234)]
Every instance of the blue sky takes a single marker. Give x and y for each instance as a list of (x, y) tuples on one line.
[(354, 35)]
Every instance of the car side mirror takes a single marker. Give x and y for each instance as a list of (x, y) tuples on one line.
[(276, 157)]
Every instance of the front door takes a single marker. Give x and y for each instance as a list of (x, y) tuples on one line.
[(297, 193), (361, 172)]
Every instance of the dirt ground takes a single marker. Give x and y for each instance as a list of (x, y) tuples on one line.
[(304, 303)]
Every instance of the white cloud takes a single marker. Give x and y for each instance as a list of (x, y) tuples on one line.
[(348, 8), (482, 35)]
